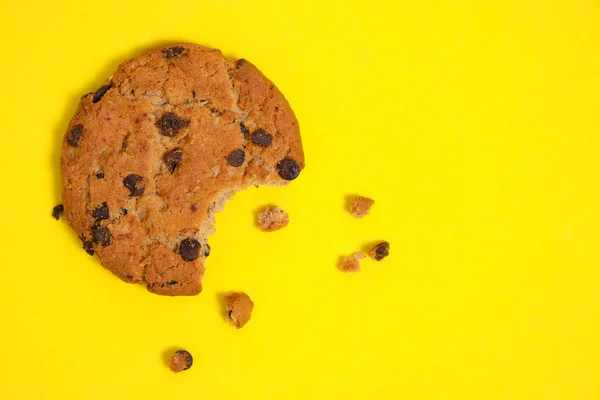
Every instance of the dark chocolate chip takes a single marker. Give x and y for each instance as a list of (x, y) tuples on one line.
[(172, 159), (135, 184), (169, 124), (57, 211), (243, 129), (123, 211), (261, 138), (173, 52), (193, 207), (382, 250), (236, 157), (189, 249), (230, 312), (101, 235), (240, 62), (100, 93), (75, 135), (101, 212), (100, 175), (172, 283), (288, 169), (194, 94), (130, 277), (87, 245), (189, 360), (206, 250)]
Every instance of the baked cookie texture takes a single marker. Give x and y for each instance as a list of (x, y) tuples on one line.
[(157, 150)]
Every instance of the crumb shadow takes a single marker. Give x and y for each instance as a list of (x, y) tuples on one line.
[(70, 107), (366, 247), (348, 200), (222, 306), (166, 354)]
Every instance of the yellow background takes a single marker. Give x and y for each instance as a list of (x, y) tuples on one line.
[(473, 124)]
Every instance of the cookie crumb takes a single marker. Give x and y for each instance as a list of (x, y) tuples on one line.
[(180, 361), (239, 307), (57, 211), (380, 251), (272, 219), (352, 263), (361, 206)]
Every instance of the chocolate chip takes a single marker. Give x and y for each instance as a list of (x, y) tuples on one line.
[(173, 52), (240, 62), (193, 207), (236, 157), (100, 93), (261, 138), (243, 129), (101, 212), (75, 135), (87, 245), (169, 124), (100, 175), (230, 312), (207, 250), (172, 283), (123, 211), (172, 159), (101, 235), (57, 211), (380, 251), (130, 277), (288, 169), (134, 183), (189, 249)]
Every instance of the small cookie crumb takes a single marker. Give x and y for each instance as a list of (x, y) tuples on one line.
[(180, 361), (352, 263), (239, 308), (360, 206), (57, 211), (380, 251), (272, 219)]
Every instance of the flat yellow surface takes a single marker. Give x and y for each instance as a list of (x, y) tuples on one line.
[(475, 125)]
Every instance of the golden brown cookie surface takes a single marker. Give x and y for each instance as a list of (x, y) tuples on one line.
[(157, 150)]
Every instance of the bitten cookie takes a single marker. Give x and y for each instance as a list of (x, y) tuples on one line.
[(154, 153)]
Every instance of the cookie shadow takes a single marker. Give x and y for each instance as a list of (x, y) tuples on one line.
[(70, 106), (367, 246), (348, 200), (222, 306)]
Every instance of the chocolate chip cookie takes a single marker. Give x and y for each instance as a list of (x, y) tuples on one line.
[(152, 154)]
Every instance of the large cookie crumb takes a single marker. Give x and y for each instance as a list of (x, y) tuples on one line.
[(361, 206), (239, 306), (352, 263), (180, 361), (380, 251), (272, 219)]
